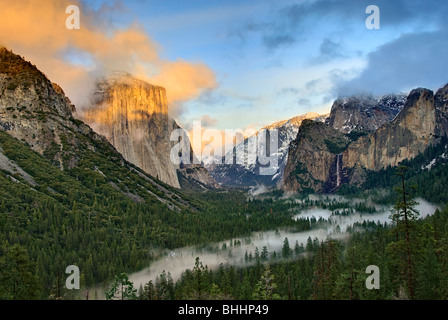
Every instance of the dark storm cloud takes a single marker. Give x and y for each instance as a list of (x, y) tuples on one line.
[(413, 60), (291, 23)]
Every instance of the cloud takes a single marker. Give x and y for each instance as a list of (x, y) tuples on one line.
[(207, 121), (183, 81), (292, 23), (213, 98), (289, 90), (36, 29), (304, 102), (312, 84), (329, 50), (413, 60), (277, 40)]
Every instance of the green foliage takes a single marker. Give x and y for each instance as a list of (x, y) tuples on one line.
[(404, 216), (304, 178), (355, 135), (265, 289), (286, 249), (11, 86), (431, 183), (77, 122), (121, 289), (336, 145), (81, 215), (18, 280), (23, 71), (332, 269)]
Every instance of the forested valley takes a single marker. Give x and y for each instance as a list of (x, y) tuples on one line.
[(76, 217)]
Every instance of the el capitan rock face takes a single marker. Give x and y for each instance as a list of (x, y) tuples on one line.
[(421, 122), (133, 116)]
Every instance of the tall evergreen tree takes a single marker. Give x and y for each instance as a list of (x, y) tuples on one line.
[(18, 280), (404, 215), (266, 286), (121, 289), (286, 249)]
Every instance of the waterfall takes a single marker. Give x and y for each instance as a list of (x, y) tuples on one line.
[(338, 170)]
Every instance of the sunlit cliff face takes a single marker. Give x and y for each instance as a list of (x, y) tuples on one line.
[(123, 97), (37, 30), (133, 116)]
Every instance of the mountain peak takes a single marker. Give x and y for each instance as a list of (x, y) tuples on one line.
[(123, 78), (22, 81), (12, 64), (295, 121), (364, 112), (133, 115)]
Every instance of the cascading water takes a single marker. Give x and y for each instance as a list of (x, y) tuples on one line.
[(338, 170)]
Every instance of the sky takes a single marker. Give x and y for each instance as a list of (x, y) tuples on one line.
[(236, 64)]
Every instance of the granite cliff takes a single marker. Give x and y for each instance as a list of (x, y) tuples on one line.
[(36, 112), (314, 158), (320, 162), (364, 113), (133, 116)]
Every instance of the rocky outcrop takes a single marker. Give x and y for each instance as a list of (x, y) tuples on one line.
[(421, 122), (441, 105), (403, 138), (133, 115), (315, 160), (36, 112), (364, 113), (196, 177)]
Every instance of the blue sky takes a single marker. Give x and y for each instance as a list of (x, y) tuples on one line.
[(274, 60)]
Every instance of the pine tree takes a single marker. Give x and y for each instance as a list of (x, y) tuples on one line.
[(286, 249), (246, 288), (404, 215), (297, 248), (122, 289), (264, 254), (149, 291), (164, 286), (326, 270), (266, 287), (17, 275), (200, 275)]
